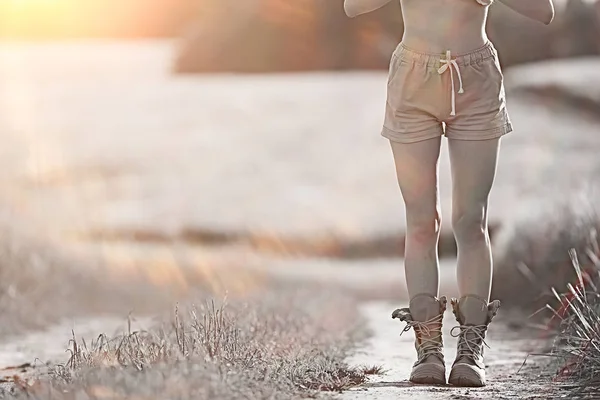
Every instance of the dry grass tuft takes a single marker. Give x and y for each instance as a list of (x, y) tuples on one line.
[(373, 370), (556, 249), (290, 343), (577, 345), (278, 341)]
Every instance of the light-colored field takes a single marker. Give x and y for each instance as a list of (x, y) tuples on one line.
[(100, 136)]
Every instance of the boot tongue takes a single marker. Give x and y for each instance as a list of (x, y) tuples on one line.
[(472, 311), (425, 307)]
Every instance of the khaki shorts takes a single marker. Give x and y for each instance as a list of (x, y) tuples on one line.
[(427, 96)]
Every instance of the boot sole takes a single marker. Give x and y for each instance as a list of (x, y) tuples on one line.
[(428, 373), (466, 376)]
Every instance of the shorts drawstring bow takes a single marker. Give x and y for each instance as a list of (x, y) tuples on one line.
[(447, 64)]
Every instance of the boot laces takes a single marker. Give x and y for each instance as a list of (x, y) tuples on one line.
[(429, 333), (470, 345)]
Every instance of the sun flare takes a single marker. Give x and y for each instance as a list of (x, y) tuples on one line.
[(76, 18)]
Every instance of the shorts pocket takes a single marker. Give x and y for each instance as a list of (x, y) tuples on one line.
[(412, 88), (396, 65), (483, 86), (498, 78), (482, 106)]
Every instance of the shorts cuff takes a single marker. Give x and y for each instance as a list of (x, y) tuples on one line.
[(411, 137), (487, 134)]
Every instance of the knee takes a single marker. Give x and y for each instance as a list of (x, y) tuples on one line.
[(424, 227), (470, 225)]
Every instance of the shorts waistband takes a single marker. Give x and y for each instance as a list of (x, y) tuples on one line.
[(433, 59)]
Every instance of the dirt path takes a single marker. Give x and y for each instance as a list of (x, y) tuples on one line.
[(385, 348)]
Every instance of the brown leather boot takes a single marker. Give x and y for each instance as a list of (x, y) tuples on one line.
[(474, 315), (425, 314)]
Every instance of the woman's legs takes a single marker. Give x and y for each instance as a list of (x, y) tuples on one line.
[(416, 169), (473, 165)]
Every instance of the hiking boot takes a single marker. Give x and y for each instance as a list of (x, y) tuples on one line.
[(474, 316), (425, 314)]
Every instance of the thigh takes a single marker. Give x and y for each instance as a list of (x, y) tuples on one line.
[(473, 164), (416, 169)]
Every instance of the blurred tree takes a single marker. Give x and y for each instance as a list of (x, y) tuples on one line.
[(280, 35), (580, 34), (517, 38), (337, 35)]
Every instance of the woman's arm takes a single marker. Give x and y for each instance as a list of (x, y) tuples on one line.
[(354, 8), (539, 10)]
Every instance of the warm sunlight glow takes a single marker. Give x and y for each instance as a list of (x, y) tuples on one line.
[(69, 18)]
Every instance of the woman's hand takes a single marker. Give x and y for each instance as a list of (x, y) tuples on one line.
[(354, 8), (539, 10)]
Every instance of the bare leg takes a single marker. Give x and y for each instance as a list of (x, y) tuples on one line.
[(416, 169), (473, 165)]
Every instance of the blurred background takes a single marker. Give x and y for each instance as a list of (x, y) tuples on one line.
[(130, 130), (280, 35)]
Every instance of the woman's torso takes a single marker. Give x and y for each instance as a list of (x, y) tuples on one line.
[(434, 26)]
